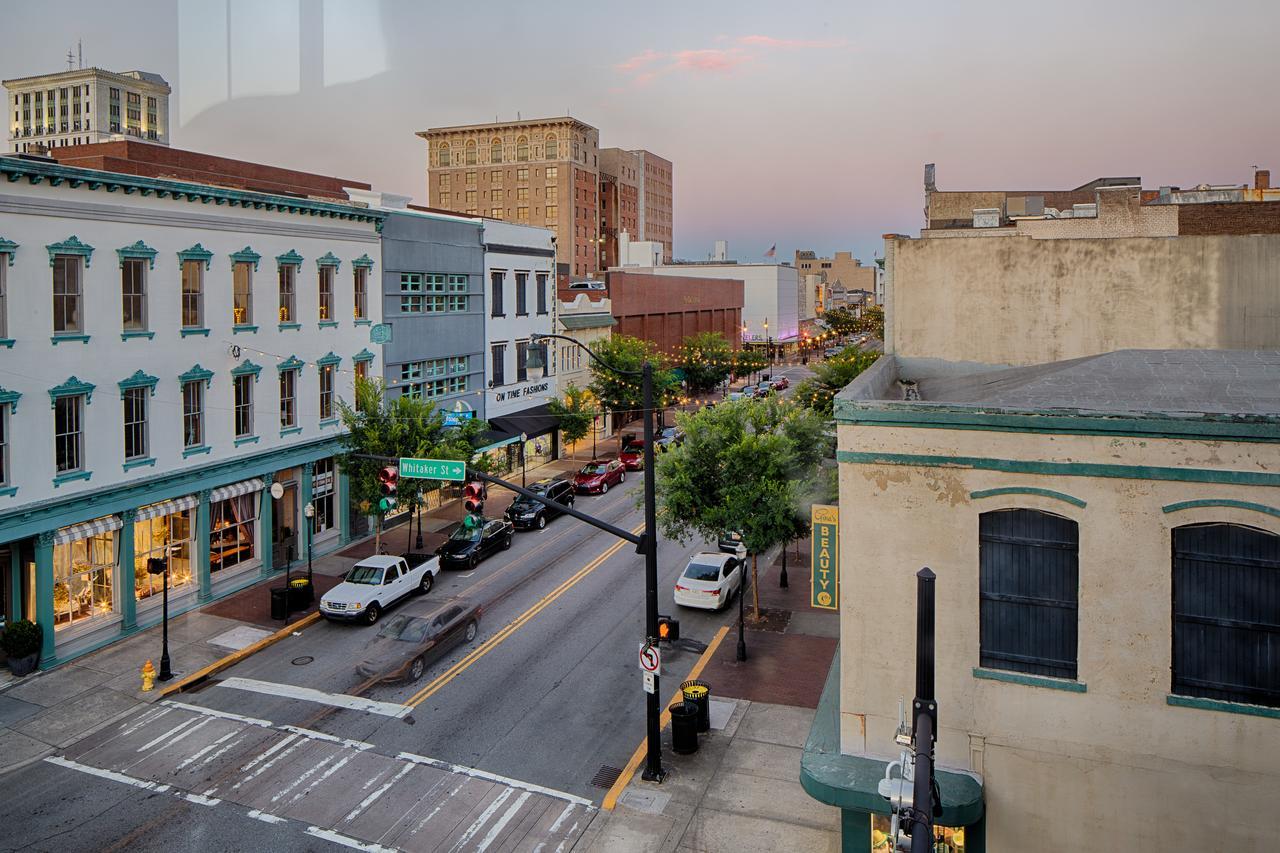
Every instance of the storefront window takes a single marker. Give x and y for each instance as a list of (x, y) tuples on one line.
[(946, 839), (82, 579), (233, 528), (167, 536), (322, 497)]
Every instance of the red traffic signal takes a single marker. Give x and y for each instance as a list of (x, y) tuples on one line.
[(668, 628), (388, 477), (473, 495)]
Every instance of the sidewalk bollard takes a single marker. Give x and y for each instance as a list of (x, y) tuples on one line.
[(148, 677), (698, 694), (684, 728)]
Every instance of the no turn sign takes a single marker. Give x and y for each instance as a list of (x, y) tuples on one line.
[(650, 659)]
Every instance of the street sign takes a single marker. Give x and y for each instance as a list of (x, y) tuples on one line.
[(454, 419), (825, 586), (649, 682), (432, 469), (650, 659)]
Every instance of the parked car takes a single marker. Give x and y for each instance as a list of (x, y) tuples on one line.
[(632, 455), (730, 542), (467, 546), (735, 395), (782, 383), (588, 285), (409, 642), (709, 581), (748, 391), (598, 475), (671, 436), (764, 389), (526, 513), (374, 584)]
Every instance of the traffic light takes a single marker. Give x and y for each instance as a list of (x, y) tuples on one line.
[(668, 628), (473, 495), (388, 478)]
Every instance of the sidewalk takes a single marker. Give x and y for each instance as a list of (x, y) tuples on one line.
[(741, 791)]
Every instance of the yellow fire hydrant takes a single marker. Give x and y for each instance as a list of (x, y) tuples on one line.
[(148, 676)]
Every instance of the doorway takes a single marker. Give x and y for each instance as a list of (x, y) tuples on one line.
[(284, 526)]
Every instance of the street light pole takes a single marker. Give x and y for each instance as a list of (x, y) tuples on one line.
[(165, 672), (310, 512)]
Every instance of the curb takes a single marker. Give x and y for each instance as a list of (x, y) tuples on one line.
[(235, 657), (92, 730)]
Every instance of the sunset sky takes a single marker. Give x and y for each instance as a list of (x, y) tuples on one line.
[(805, 124)]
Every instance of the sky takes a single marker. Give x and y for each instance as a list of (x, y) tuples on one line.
[(800, 125)]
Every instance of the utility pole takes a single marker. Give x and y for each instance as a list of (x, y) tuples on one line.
[(924, 710)]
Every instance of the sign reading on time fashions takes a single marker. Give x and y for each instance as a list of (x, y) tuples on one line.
[(825, 588), (527, 391)]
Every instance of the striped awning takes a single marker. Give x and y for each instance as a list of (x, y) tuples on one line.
[(84, 530), (243, 487), (167, 507)]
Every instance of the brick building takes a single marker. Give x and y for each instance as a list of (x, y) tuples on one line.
[(666, 309), (620, 176)]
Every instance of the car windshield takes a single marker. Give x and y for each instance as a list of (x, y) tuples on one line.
[(702, 571), (669, 432), (411, 629), (635, 445), (365, 574), (599, 468), (466, 534)]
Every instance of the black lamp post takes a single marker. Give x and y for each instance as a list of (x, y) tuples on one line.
[(310, 512), (653, 771), (157, 566), (742, 594), (524, 439)]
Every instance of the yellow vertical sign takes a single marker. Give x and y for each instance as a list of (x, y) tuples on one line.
[(825, 585)]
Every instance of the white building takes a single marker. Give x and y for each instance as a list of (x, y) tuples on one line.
[(770, 296), (168, 352), (87, 105)]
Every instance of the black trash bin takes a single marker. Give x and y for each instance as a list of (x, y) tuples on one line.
[(698, 694), (301, 594), (684, 728), (279, 603)]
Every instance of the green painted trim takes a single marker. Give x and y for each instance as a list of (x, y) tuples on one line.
[(328, 422), (128, 336), (328, 359), (198, 450), (284, 327), (10, 248), (1065, 469), (68, 339), (196, 253), (291, 363), (139, 380), (140, 251), (363, 355), (1027, 490), (289, 258), (71, 476), (10, 397), (189, 333), (7, 343), (1222, 502), (247, 368), (195, 374), (329, 259), (364, 322), (362, 262), (139, 463), (246, 256), (246, 439), (244, 328), (294, 430), (1029, 680), (71, 388), (8, 491), (1202, 704), (70, 246), (328, 324)]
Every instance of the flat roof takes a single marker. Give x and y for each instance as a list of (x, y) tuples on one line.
[(495, 125)]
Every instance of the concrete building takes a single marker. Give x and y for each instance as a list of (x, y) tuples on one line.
[(181, 348), (1105, 532), (621, 173), (770, 296), (543, 172), (664, 307), (86, 105), (657, 205), (587, 321), (842, 269)]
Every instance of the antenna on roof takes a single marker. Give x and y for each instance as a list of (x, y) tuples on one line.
[(518, 116), (71, 60), (80, 53)]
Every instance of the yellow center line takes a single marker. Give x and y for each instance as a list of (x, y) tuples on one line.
[(515, 625)]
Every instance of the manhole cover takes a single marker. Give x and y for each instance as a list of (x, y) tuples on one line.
[(303, 661), (606, 776)]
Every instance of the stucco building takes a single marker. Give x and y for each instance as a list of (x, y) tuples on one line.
[(587, 321), (770, 296), (842, 269), (86, 105)]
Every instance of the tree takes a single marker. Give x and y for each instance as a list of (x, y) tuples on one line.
[(747, 361), (576, 412), (622, 392), (840, 320), (871, 322), (706, 359), (830, 377)]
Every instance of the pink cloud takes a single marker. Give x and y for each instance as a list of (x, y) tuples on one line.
[(640, 60), (770, 41), (711, 59), (649, 64)]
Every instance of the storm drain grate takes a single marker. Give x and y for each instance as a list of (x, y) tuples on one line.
[(606, 776)]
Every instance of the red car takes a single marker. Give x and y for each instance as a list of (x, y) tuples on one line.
[(781, 383), (598, 475), (632, 455)]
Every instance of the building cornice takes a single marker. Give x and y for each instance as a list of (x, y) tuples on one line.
[(87, 74), (499, 127)]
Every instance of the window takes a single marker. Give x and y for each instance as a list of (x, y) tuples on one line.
[(495, 213), (496, 279), (522, 360), (192, 294), (495, 151), (471, 179), (361, 288), (68, 435), (165, 537), (542, 292), (522, 295), (135, 423), (232, 523), (522, 193), (495, 178), (446, 199), (1226, 613), (242, 293), (1028, 578), (471, 158), (288, 272), (193, 413), (243, 386), (553, 172), (553, 194), (553, 212), (471, 197), (326, 293), (522, 214), (4, 444), (522, 149), (411, 299), (326, 392), (67, 318), (288, 397), (82, 579), (133, 308), (499, 355), (442, 154), (522, 174), (553, 150), (322, 481)]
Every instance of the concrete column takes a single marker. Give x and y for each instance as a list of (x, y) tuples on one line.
[(44, 595), (203, 521), (128, 590), (304, 498), (341, 496), (266, 521)]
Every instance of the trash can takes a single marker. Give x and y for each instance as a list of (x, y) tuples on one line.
[(279, 603), (301, 594), (684, 728), (698, 694)]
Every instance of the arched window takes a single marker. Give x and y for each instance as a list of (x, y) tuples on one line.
[(471, 152), (522, 150), (495, 151), (1028, 590), (1226, 613), (442, 154), (553, 147)]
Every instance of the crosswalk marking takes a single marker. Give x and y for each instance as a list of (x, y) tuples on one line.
[(307, 694)]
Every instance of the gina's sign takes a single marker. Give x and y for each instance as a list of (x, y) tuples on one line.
[(526, 391), (825, 586)]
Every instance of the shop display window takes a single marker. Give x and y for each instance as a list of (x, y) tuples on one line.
[(83, 579), (946, 839), (165, 536), (233, 531), (322, 497)]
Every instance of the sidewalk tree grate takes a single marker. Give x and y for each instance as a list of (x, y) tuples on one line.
[(606, 776)]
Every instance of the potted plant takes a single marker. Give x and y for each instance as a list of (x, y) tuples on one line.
[(21, 642)]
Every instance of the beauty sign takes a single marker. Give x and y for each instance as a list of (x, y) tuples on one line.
[(825, 587)]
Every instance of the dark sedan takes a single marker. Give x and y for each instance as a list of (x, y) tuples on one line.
[(409, 642), (596, 477), (670, 437), (467, 546), (526, 513)]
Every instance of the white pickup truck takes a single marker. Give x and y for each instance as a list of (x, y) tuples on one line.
[(374, 584)]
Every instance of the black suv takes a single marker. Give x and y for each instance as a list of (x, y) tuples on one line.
[(528, 514)]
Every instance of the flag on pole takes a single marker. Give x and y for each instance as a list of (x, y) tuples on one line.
[(772, 251)]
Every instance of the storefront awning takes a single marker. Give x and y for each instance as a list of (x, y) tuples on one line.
[(84, 530), (167, 507), (496, 440), (243, 487), (533, 421)]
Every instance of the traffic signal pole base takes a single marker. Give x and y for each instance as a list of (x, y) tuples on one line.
[(653, 777)]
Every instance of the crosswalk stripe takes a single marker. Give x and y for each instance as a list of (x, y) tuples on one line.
[(306, 694)]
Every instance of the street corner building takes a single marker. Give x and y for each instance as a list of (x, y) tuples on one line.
[(1105, 532), (170, 354)]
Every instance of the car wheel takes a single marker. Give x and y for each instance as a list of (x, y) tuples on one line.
[(542, 522), (428, 581), (622, 477), (604, 488), (506, 543), (471, 631), (472, 562), (371, 613), (416, 669)]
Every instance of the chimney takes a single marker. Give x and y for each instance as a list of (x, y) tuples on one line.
[(1262, 179)]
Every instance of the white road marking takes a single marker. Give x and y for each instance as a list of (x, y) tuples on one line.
[(222, 715), (306, 774), (347, 841), (291, 739), (496, 830), (315, 735), (369, 800), (306, 694), (179, 727), (493, 777), (267, 724), (152, 714), (267, 818), (568, 810), (483, 819), (144, 784), (190, 759)]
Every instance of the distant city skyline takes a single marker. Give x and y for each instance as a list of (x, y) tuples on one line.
[(806, 129)]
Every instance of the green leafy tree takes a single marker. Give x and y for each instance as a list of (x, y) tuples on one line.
[(576, 412), (830, 377), (840, 320), (706, 359), (623, 393), (871, 322), (748, 361)]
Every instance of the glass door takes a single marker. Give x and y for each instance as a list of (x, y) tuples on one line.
[(284, 527)]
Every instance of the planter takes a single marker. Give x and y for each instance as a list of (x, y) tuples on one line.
[(24, 665)]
